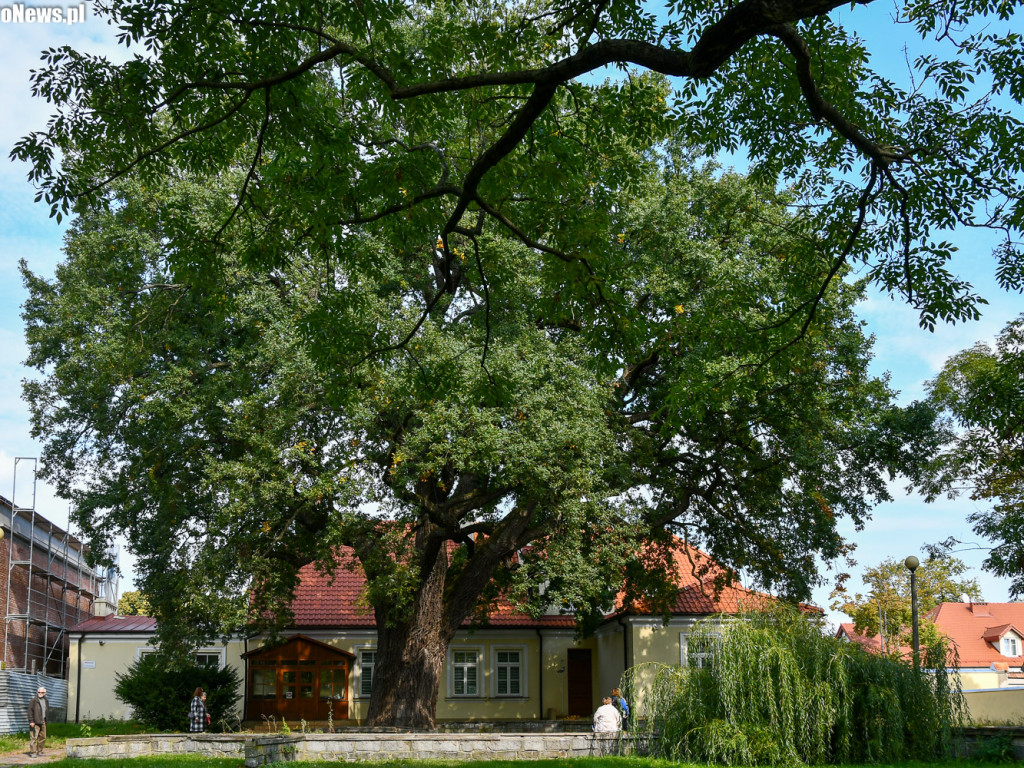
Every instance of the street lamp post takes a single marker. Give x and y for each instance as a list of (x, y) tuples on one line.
[(912, 563)]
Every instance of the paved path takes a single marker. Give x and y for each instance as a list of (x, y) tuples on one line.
[(21, 758)]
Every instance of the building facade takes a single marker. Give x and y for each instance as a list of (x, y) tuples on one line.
[(514, 667), (47, 588)]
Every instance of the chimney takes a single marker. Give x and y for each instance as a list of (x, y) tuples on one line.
[(980, 610), (102, 607)]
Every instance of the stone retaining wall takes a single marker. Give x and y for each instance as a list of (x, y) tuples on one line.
[(207, 744), (1013, 736), (259, 750)]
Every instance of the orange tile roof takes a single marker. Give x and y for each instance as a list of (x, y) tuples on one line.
[(993, 634), (968, 624), (849, 631), (871, 643), (333, 600)]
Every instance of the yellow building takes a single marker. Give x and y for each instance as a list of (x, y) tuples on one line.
[(513, 668)]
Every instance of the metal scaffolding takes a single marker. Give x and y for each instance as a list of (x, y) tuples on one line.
[(50, 587)]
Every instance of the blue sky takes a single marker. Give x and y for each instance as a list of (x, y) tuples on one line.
[(910, 354)]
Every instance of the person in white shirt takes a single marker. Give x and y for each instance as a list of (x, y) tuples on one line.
[(607, 718)]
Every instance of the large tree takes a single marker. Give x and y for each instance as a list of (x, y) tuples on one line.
[(426, 118), (134, 603), (540, 425), (982, 390), (885, 609)]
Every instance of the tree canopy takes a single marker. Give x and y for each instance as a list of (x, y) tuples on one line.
[(537, 429), (421, 120), (407, 277), (134, 603), (982, 390), (885, 609)]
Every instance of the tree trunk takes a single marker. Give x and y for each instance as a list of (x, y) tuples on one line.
[(410, 656), (411, 648)]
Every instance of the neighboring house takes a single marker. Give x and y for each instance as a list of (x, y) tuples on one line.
[(848, 631), (512, 668), (988, 638), (47, 587)]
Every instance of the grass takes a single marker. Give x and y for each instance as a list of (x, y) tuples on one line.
[(57, 734), (189, 761)]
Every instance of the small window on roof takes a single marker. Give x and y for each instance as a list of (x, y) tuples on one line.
[(1011, 646)]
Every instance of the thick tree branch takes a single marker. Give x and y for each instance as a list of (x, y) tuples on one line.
[(882, 155)]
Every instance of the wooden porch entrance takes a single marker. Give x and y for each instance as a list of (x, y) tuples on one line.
[(302, 679)]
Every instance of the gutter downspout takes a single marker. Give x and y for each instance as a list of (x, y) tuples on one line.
[(245, 678), (540, 676), (625, 657), (78, 684)]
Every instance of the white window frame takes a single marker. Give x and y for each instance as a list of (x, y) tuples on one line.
[(702, 659), (452, 670), (1011, 643), (207, 652), (521, 650), (218, 652), (357, 689)]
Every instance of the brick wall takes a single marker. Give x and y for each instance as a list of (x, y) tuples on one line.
[(36, 612)]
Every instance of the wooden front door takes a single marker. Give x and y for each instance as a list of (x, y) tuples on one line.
[(579, 678), (297, 693)]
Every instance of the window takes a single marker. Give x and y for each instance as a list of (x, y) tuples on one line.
[(211, 660), (305, 684), (367, 659), (465, 673), (698, 650), (332, 683), (508, 671), (289, 682), (1011, 647), (264, 683)]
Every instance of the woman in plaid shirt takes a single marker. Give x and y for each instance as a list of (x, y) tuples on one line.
[(197, 716)]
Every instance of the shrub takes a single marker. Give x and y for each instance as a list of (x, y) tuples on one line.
[(160, 693), (776, 691)]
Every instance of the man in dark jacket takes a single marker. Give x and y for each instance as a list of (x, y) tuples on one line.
[(38, 711)]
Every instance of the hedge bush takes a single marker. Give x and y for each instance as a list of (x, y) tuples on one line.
[(160, 693)]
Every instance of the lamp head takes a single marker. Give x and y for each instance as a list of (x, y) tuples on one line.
[(911, 563)]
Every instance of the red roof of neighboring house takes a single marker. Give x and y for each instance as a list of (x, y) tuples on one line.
[(333, 600), (973, 626), (848, 630), (116, 624), (994, 634)]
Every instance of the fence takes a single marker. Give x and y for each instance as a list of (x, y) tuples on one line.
[(17, 688)]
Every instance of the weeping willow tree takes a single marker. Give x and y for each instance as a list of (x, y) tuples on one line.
[(770, 689)]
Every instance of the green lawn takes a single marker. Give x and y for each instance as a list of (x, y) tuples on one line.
[(58, 733), (186, 761)]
